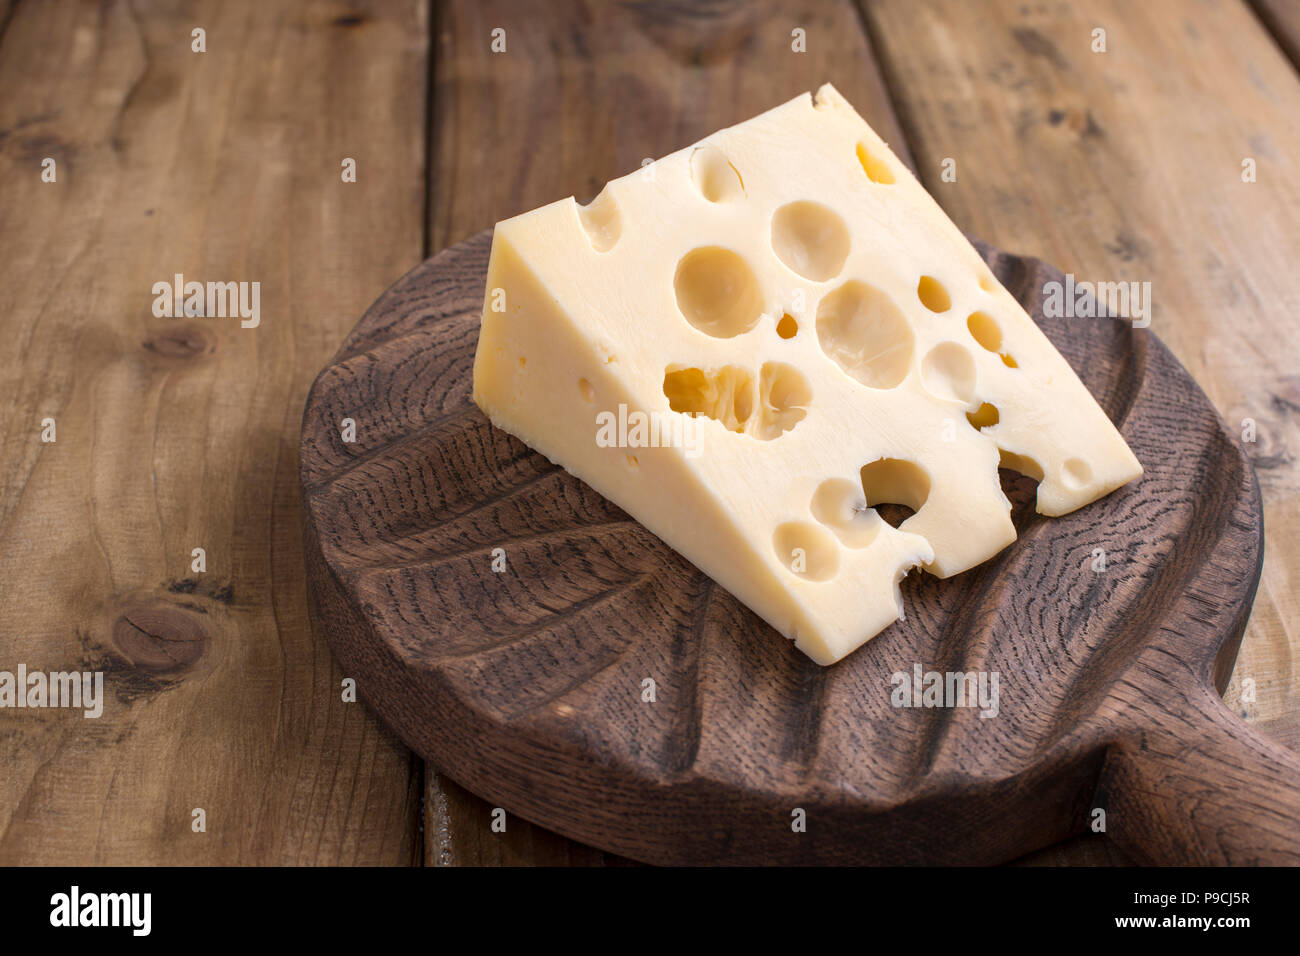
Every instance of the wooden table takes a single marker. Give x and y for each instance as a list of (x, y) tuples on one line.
[(226, 165)]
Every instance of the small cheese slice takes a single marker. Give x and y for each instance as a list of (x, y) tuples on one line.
[(750, 343)]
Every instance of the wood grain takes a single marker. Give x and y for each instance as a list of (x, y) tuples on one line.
[(1128, 165), (525, 685), (1282, 19), (1090, 849), (174, 434), (184, 434), (583, 93)]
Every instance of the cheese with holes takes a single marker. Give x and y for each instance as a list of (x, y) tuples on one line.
[(750, 344)]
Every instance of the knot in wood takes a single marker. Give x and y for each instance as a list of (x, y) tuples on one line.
[(162, 641)]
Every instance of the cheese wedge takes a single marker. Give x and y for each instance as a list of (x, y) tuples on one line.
[(751, 343)]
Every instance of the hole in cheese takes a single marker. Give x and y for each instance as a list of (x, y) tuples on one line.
[(986, 416), (948, 372), (787, 328), (585, 390), (1021, 464), (1022, 492), (864, 332), (715, 176), (601, 221), (840, 505), (984, 329), (717, 292), (893, 481), (725, 395), (784, 395), (811, 239), (1075, 473), (806, 550), (894, 515), (933, 295), (877, 170)]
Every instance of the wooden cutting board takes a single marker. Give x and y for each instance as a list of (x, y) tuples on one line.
[(1109, 629)]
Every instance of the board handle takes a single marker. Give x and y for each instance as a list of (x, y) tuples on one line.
[(1208, 790)]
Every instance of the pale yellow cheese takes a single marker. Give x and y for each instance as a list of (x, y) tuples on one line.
[(803, 333)]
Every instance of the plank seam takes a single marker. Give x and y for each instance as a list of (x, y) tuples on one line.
[(1285, 41), (430, 78), (887, 80), (8, 18), (425, 838)]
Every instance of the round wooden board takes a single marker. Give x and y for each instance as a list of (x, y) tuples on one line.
[(526, 686)]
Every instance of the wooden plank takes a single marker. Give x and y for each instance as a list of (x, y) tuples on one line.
[(1282, 20), (1285, 730), (1128, 165), (582, 94), (174, 434)]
